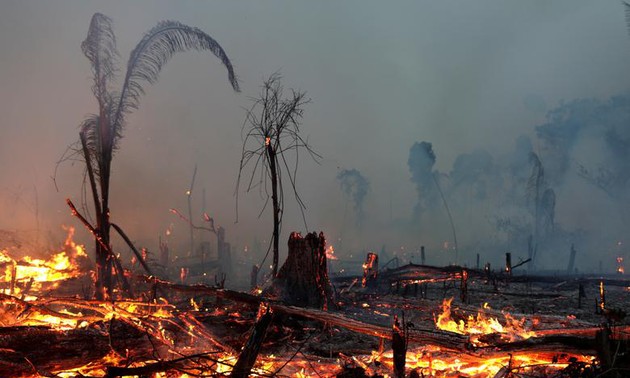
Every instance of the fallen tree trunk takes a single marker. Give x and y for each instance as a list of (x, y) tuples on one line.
[(567, 340), (41, 350)]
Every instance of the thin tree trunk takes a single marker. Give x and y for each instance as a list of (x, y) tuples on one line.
[(104, 263), (189, 194), (101, 255), (271, 155)]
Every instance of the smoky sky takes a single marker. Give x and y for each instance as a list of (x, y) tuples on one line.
[(464, 76)]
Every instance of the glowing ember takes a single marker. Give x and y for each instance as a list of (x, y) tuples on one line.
[(330, 253), (481, 324)]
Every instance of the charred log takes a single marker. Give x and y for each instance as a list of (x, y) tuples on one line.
[(248, 355)]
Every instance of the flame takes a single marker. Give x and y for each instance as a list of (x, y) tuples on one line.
[(512, 330), (167, 323), (31, 273), (330, 253)]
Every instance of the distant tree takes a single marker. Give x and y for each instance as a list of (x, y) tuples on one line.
[(101, 132), (542, 200), (271, 130), (355, 186), (421, 161)]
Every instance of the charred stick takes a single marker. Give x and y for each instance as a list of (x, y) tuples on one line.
[(399, 347), (133, 248), (248, 355), (521, 263)]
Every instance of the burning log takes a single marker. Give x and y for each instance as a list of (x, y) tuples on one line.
[(64, 350), (303, 279)]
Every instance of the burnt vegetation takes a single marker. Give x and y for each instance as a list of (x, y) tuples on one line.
[(385, 315)]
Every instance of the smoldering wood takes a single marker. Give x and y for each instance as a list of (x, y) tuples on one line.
[(65, 350)]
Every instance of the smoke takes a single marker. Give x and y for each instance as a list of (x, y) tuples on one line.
[(379, 81), (355, 186)]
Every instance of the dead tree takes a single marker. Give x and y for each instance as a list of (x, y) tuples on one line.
[(271, 130), (303, 279), (101, 132)]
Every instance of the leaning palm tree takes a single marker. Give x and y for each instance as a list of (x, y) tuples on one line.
[(100, 133)]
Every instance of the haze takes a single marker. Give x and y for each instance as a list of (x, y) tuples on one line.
[(464, 76)]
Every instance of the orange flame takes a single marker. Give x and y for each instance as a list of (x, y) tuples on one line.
[(512, 329)]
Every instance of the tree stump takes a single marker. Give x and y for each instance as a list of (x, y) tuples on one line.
[(303, 279)]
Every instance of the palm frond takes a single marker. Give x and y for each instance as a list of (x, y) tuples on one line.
[(90, 129), (100, 48), (151, 54)]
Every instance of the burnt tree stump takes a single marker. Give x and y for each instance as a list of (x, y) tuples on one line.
[(303, 279)]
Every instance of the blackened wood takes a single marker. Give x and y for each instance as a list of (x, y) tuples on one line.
[(250, 351), (399, 347), (464, 287), (103, 244)]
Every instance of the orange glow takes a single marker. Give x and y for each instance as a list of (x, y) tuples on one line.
[(33, 272), (330, 253), (475, 326), (165, 323)]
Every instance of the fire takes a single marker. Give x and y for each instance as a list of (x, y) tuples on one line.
[(178, 328), (330, 253), (475, 326), (620, 268), (31, 273)]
